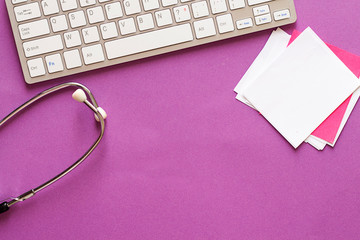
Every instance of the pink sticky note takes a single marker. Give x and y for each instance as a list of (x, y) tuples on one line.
[(328, 129)]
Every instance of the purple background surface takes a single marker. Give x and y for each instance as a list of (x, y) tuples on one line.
[(181, 158)]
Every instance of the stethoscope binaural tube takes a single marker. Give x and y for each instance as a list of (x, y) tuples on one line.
[(79, 95)]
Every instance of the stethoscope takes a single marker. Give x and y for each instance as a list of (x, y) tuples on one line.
[(79, 95)]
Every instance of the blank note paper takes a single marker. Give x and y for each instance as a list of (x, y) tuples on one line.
[(301, 88)]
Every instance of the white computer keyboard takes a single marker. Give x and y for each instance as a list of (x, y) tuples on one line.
[(56, 38)]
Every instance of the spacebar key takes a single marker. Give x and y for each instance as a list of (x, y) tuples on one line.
[(149, 41)]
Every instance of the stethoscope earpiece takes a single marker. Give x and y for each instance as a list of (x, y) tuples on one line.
[(80, 96)]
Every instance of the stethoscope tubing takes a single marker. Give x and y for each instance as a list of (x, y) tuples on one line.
[(92, 105)]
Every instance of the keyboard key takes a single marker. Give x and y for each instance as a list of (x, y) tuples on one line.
[(254, 2), (167, 3), (225, 23), (281, 15), (263, 19), (85, 3), (127, 26), (236, 4), (27, 12), (150, 4), (90, 34), (72, 59), (148, 41), (108, 30), (36, 67), (18, 1), (59, 23), (34, 29), (77, 19), (200, 9), (182, 13), (50, 7), (43, 45), (204, 28), (218, 6), (261, 10), (54, 63), (72, 39), (244, 23), (132, 6), (145, 22), (113, 10), (93, 54), (95, 15), (68, 5), (163, 17)]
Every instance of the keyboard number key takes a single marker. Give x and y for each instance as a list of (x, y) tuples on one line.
[(225, 23), (54, 63), (182, 13), (72, 59), (204, 28), (132, 6), (93, 54), (36, 67)]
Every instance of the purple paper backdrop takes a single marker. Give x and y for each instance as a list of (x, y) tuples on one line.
[(181, 158)]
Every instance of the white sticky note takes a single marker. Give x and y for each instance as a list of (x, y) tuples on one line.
[(301, 88), (273, 48)]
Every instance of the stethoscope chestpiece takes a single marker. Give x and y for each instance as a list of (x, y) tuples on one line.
[(4, 207)]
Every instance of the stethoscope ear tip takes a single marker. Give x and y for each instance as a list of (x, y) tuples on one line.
[(102, 112), (79, 95)]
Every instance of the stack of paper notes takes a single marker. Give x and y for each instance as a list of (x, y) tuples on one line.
[(304, 87)]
